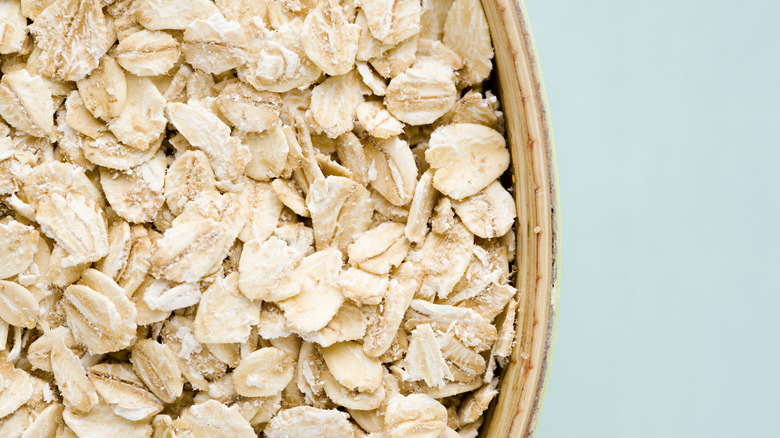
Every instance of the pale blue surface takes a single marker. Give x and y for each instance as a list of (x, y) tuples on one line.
[(666, 117)]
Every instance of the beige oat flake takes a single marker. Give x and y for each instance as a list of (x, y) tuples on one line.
[(142, 120), (101, 421), (18, 243), (351, 367), (204, 130), (214, 44), (212, 419), (119, 386), (224, 314), (420, 95), (266, 270), (104, 91), (489, 213), (392, 21), (191, 249), (99, 313), (188, 175), (263, 373), (136, 196), (329, 40), (14, 26), (466, 32), (156, 365), (148, 53), (334, 103), (26, 103), (378, 121), (248, 109), (308, 421), (172, 14), (394, 170), (379, 249), (18, 307), (416, 415), (276, 60), (396, 60), (466, 158), (340, 209), (319, 299), (80, 118), (71, 378), (77, 224), (72, 36), (424, 360)]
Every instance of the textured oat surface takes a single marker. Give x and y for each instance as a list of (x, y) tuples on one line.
[(236, 218)]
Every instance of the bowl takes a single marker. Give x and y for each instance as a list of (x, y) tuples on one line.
[(521, 91)]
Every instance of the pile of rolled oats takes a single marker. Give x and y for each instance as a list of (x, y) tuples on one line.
[(243, 217)]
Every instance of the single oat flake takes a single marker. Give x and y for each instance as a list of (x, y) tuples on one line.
[(236, 218)]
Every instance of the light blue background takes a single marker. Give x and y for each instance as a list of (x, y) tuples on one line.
[(666, 117)]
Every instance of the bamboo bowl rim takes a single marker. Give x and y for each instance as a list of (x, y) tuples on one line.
[(529, 135)]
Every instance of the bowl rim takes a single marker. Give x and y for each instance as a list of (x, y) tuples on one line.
[(508, 20)]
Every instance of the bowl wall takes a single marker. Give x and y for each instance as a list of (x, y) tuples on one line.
[(521, 92)]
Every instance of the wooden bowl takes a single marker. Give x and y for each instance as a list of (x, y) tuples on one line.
[(521, 92)]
